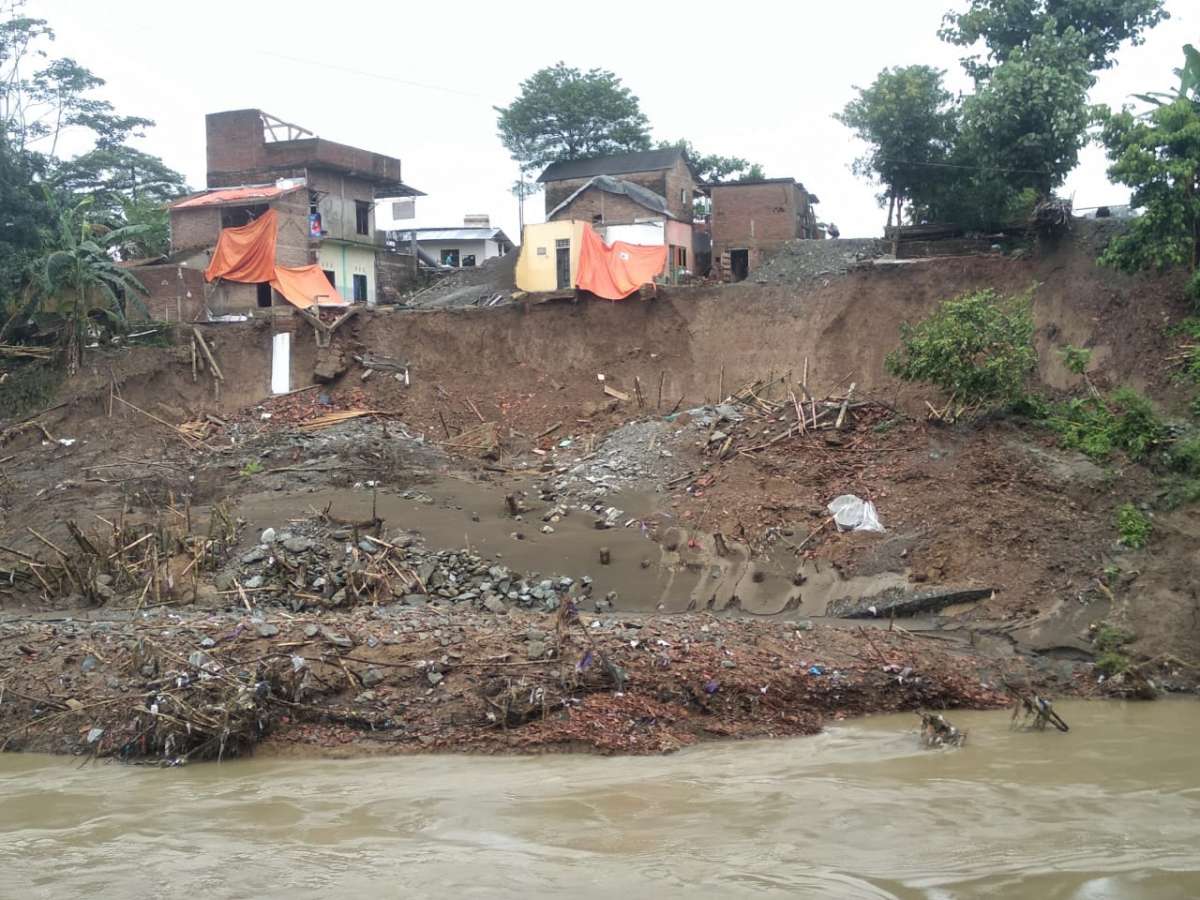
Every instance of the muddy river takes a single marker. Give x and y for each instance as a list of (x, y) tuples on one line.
[(1110, 810)]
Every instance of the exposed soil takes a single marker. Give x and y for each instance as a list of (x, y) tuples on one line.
[(505, 448)]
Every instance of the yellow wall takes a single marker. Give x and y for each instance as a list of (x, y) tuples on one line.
[(536, 272), (346, 260)]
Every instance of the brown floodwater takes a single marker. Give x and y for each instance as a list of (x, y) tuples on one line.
[(1110, 810)]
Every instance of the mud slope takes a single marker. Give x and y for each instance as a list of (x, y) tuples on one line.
[(522, 364)]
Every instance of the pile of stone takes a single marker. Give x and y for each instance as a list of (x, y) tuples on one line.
[(311, 566), (638, 456), (801, 262)]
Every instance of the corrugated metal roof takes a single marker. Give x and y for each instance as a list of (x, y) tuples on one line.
[(451, 234), (617, 164), (253, 194), (635, 192)]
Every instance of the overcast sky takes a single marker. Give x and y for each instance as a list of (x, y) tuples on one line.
[(753, 79)]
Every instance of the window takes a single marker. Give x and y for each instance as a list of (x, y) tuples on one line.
[(468, 261), (449, 258), (683, 196), (329, 275), (362, 217), (237, 216), (264, 294), (360, 288)]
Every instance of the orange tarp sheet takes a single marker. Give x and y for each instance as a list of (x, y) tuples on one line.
[(616, 272), (245, 254), (306, 286)]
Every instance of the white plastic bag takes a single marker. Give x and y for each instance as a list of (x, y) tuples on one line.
[(852, 513)]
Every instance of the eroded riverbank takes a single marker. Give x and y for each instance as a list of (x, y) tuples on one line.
[(1108, 810), (173, 688)]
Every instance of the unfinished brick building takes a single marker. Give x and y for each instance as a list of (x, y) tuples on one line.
[(323, 193), (752, 217)]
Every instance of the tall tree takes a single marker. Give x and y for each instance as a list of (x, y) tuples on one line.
[(116, 176), (565, 113), (1023, 128), (24, 212), (1007, 26), (712, 168), (909, 121), (1157, 154), (41, 97)]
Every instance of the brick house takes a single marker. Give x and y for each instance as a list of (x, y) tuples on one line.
[(323, 192), (750, 217), (640, 198)]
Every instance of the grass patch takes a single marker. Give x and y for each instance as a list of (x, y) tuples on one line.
[(251, 468), (1110, 641), (1133, 527), (1187, 358), (29, 386)]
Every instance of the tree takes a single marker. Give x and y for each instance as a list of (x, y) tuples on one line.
[(77, 277), (564, 113), (712, 168), (1022, 130), (24, 212), (977, 348), (116, 177), (909, 121), (1008, 26), (39, 103), (1157, 154)]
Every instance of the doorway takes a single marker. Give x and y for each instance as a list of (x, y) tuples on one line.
[(562, 263), (739, 264)]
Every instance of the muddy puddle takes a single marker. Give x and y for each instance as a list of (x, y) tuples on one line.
[(1110, 810), (654, 563)]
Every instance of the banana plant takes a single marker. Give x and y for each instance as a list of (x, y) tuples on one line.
[(79, 277), (1189, 82)]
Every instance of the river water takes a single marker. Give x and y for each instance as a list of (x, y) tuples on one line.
[(1110, 810)]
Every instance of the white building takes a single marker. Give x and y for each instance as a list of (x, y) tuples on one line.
[(471, 245)]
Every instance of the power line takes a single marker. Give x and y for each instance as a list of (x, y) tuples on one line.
[(366, 74), (904, 162)]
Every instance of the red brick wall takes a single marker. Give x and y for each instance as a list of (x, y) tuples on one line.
[(176, 293), (616, 209), (195, 228), (680, 180), (558, 191), (753, 216), (238, 153)]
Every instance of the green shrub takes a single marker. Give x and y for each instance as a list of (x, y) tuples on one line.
[(1109, 641), (1184, 455), (1076, 359), (1112, 663), (977, 348), (1124, 420), (251, 468), (1133, 526), (1188, 361), (29, 386)]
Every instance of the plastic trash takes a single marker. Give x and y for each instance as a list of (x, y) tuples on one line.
[(852, 513)]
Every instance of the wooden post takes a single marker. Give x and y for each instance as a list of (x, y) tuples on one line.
[(662, 378)]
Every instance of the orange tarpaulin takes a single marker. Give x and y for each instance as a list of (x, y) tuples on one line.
[(305, 286), (245, 254), (616, 272)]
